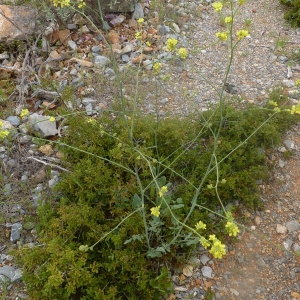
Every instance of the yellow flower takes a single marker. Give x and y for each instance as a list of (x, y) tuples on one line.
[(223, 36), (140, 20), (157, 67), (228, 20), (171, 44), (241, 34), (217, 6), (138, 35), (162, 191), (148, 44), (232, 229), (223, 181), (200, 225), (217, 249), (82, 4), (91, 121), (62, 3), (212, 237), (273, 103), (3, 134), (182, 52), (52, 119), (297, 82), (155, 211), (1, 123), (210, 186), (295, 109), (241, 2), (24, 113), (277, 109), (204, 242)]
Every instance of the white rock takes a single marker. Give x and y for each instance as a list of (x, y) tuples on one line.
[(281, 229), (207, 271), (188, 270), (288, 83)]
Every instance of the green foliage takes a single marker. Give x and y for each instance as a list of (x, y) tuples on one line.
[(293, 14), (101, 202)]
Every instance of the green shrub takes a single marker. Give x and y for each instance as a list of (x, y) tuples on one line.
[(100, 198), (293, 14)]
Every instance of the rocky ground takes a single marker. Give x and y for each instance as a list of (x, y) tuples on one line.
[(262, 264)]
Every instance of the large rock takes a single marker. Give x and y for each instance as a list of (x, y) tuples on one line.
[(17, 22), (42, 125)]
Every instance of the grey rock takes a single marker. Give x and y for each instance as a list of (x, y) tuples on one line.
[(164, 101), (164, 29), (288, 244), (96, 49), (77, 82), (296, 247), (138, 11), (13, 120), (24, 178), (283, 58), (4, 55), (11, 273), (288, 83), (15, 232), (176, 27), (109, 72), (101, 61), (25, 139), (41, 125), (118, 20), (7, 189), (89, 109), (125, 58), (292, 225), (289, 144), (204, 259), (72, 45), (272, 57), (16, 208), (165, 55), (128, 48), (105, 26), (148, 64), (72, 26), (207, 271), (53, 182), (87, 101)]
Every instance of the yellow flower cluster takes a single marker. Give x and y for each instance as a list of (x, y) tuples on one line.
[(81, 4), (138, 35), (162, 191), (217, 6), (241, 2), (62, 3), (241, 34), (157, 67), (182, 52), (223, 36), (295, 109), (297, 82), (228, 20), (155, 211), (200, 225), (3, 134), (232, 229), (52, 119), (140, 20), (24, 113), (217, 248), (171, 44)]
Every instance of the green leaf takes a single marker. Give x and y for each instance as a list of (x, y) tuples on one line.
[(136, 201)]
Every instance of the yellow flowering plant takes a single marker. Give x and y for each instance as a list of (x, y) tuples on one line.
[(217, 6)]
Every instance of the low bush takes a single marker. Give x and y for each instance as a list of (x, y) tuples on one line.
[(293, 14), (97, 237)]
